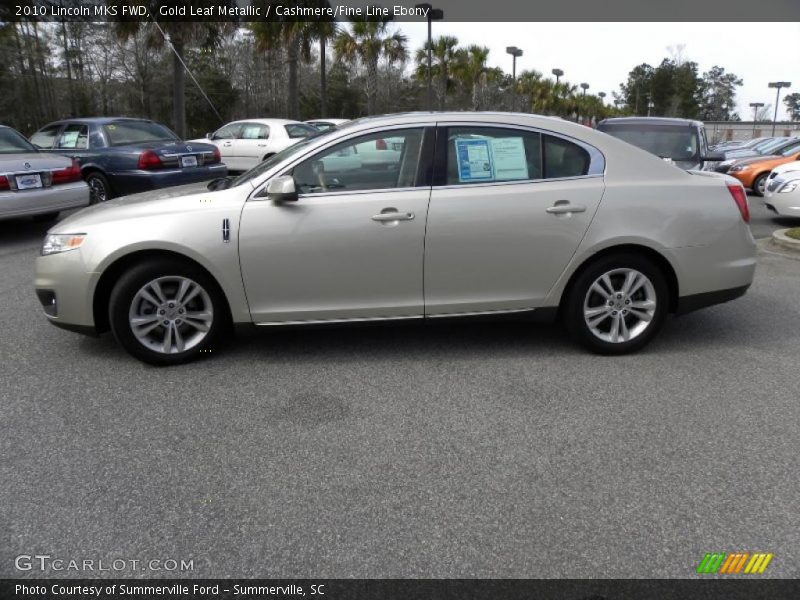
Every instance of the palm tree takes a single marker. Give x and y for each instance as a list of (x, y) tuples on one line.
[(473, 73), (445, 58), (368, 42), (178, 35)]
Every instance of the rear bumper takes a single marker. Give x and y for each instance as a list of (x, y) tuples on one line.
[(45, 200), (696, 301), (132, 182)]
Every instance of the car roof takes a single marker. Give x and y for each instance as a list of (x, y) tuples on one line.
[(99, 120), (651, 121), (275, 122)]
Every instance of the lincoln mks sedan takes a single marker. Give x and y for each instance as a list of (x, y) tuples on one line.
[(483, 214)]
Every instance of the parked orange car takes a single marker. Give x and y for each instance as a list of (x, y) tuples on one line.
[(753, 171)]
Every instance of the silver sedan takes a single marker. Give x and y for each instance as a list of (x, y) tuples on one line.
[(36, 184), (483, 214)]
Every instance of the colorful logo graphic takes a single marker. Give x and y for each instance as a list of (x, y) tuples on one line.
[(734, 563)]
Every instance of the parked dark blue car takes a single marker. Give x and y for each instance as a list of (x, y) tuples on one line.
[(120, 156)]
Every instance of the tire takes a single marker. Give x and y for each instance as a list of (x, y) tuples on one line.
[(99, 188), (166, 333), (46, 217), (628, 314), (760, 184)]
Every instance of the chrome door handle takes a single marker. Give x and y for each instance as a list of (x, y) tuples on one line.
[(393, 216), (226, 144), (562, 208)]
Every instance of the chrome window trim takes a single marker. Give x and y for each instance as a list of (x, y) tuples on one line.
[(461, 186), (283, 170), (597, 160)]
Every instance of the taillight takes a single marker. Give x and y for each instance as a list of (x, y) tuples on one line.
[(739, 196), (380, 145), (68, 175), (4, 183), (149, 160), (217, 156)]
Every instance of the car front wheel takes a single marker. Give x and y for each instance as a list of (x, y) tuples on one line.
[(166, 312), (760, 184), (617, 304)]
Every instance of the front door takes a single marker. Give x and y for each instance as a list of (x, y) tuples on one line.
[(505, 218), (350, 248)]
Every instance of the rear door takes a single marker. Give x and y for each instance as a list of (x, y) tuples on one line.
[(508, 209), (251, 144)]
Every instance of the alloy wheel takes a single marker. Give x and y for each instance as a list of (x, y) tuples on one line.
[(620, 305), (97, 190), (171, 314)]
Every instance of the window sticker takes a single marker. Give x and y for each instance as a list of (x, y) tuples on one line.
[(251, 133), (508, 158), (474, 160), (68, 139)]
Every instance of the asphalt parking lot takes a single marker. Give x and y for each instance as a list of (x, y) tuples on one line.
[(462, 450)]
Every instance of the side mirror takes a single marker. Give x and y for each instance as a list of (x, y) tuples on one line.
[(210, 136), (282, 189), (714, 156)]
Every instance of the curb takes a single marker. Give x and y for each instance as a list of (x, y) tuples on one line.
[(780, 238)]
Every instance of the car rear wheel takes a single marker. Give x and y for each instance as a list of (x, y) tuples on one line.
[(760, 184), (167, 312), (617, 304), (99, 189)]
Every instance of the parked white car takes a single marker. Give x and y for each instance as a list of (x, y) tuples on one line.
[(782, 195), (244, 144), (34, 183)]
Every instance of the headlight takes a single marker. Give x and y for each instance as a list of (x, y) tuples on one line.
[(738, 168), (726, 163), (789, 186), (62, 242)]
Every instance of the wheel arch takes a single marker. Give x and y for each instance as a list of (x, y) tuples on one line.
[(651, 254), (113, 272)]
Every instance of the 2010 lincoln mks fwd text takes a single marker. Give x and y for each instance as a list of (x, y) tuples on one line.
[(483, 213)]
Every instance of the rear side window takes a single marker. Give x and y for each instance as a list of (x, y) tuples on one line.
[(45, 137), (496, 154), (562, 158), (300, 130)]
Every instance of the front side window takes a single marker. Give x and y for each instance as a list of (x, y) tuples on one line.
[(254, 131), (74, 137), (121, 133), (12, 142), (45, 137), (229, 132), (371, 162)]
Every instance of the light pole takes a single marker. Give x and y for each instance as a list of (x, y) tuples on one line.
[(650, 106), (515, 53), (434, 14), (558, 73), (778, 85), (755, 106), (602, 96), (585, 87)]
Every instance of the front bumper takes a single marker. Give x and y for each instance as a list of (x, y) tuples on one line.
[(132, 182), (785, 205), (65, 289), (44, 200)]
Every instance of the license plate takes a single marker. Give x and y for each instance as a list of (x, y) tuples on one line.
[(188, 161), (27, 182)]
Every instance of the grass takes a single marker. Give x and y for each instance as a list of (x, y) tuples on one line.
[(793, 233)]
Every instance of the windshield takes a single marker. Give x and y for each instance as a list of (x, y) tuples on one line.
[(122, 133), (676, 142), (791, 149), (12, 142), (770, 145), (275, 159)]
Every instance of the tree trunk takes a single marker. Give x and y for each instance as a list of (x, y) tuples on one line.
[(70, 86), (442, 88), (178, 91), (372, 84), (323, 84), (294, 94)]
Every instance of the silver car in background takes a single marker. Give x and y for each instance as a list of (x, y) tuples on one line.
[(483, 214), (36, 184)]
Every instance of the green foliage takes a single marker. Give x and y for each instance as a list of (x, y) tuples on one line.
[(792, 102)]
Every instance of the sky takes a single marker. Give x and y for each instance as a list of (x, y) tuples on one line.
[(602, 54)]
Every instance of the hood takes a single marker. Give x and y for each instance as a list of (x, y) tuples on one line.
[(787, 167), (181, 197), (36, 160), (755, 159)]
